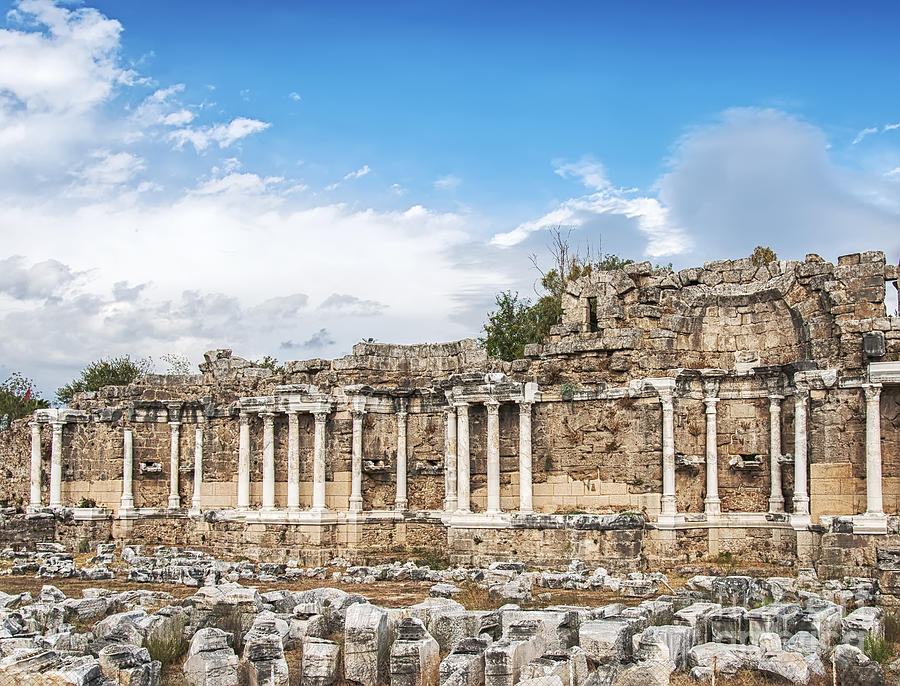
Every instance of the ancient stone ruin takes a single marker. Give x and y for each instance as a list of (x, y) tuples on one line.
[(730, 409)]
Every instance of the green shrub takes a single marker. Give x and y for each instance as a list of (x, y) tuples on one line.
[(168, 647), (84, 545), (431, 557), (877, 648)]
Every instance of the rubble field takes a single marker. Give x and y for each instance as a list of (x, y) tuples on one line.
[(173, 616)]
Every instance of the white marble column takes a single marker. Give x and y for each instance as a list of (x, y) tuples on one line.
[(56, 464), (401, 502), (293, 465), (127, 502), (526, 489), (801, 494), (318, 504), (776, 497), (356, 499), (35, 493), (198, 462), (874, 499), (450, 501), (667, 501), (711, 503), (493, 457), (243, 486), (174, 455), (463, 502), (268, 486)]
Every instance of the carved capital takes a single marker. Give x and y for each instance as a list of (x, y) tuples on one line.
[(493, 407), (245, 418), (872, 391), (321, 417), (710, 405)]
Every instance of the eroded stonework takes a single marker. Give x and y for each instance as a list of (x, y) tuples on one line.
[(734, 407)]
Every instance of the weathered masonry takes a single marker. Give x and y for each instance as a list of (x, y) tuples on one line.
[(739, 408)]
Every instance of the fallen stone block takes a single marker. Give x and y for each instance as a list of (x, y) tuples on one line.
[(415, 656), (606, 640), (862, 622), (778, 618), (366, 644), (729, 625), (853, 668), (728, 659), (211, 661), (320, 665), (792, 667)]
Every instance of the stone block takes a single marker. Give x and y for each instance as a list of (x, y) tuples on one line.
[(778, 618), (696, 616), (678, 639), (606, 640), (366, 644), (862, 622), (415, 656), (320, 665)]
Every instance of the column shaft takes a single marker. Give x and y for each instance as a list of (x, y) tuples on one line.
[(401, 502), (711, 503), (526, 500), (35, 492), (462, 458), (668, 455), (243, 486), (450, 500), (174, 455), (56, 465), (293, 485), (356, 500), (127, 501), (268, 489), (318, 504), (801, 495), (493, 457), (874, 498), (776, 497), (198, 462)]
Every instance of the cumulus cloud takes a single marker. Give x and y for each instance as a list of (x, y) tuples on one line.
[(37, 282), (222, 134), (105, 171), (350, 304), (646, 214), (319, 340)]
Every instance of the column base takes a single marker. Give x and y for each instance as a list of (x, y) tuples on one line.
[(401, 505), (800, 521), (712, 508), (194, 512), (174, 502), (127, 513), (317, 516), (776, 505), (870, 523), (669, 520), (525, 510)]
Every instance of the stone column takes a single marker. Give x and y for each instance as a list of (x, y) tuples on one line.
[(526, 501), (463, 503), (874, 501), (801, 495), (56, 464), (318, 504), (174, 454), (293, 466), (268, 488), (401, 502), (493, 457), (356, 500), (35, 494), (450, 501), (243, 487), (127, 502), (198, 461), (667, 501), (711, 503), (776, 497)]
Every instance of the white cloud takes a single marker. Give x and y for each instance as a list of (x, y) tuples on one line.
[(293, 95), (223, 134), (865, 132), (891, 127), (649, 216), (358, 174), (107, 171), (448, 182), (398, 190)]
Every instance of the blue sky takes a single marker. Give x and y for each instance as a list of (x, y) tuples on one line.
[(286, 178)]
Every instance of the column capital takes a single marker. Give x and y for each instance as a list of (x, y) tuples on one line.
[(357, 414), (57, 424), (450, 410), (493, 406), (402, 414), (775, 399), (525, 405), (872, 390), (801, 393), (667, 401), (245, 418), (460, 403), (321, 417), (174, 424), (711, 404), (267, 416), (201, 418)]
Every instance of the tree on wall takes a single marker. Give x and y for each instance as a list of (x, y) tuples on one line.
[(112, 371), (18, 399), (517, 322)]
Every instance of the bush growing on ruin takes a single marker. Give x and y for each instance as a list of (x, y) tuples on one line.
[(763, 255), (510, 327), (112, 371), (18, 400)]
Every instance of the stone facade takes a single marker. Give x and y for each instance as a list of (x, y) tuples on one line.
[(731, 405)]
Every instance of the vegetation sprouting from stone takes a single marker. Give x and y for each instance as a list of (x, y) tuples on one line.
[(763, 255), (111, 371), (18, 399)]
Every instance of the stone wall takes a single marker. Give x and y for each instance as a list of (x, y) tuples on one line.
[(729, 335)]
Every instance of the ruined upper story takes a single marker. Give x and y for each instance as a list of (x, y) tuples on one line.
[(617, 326)]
